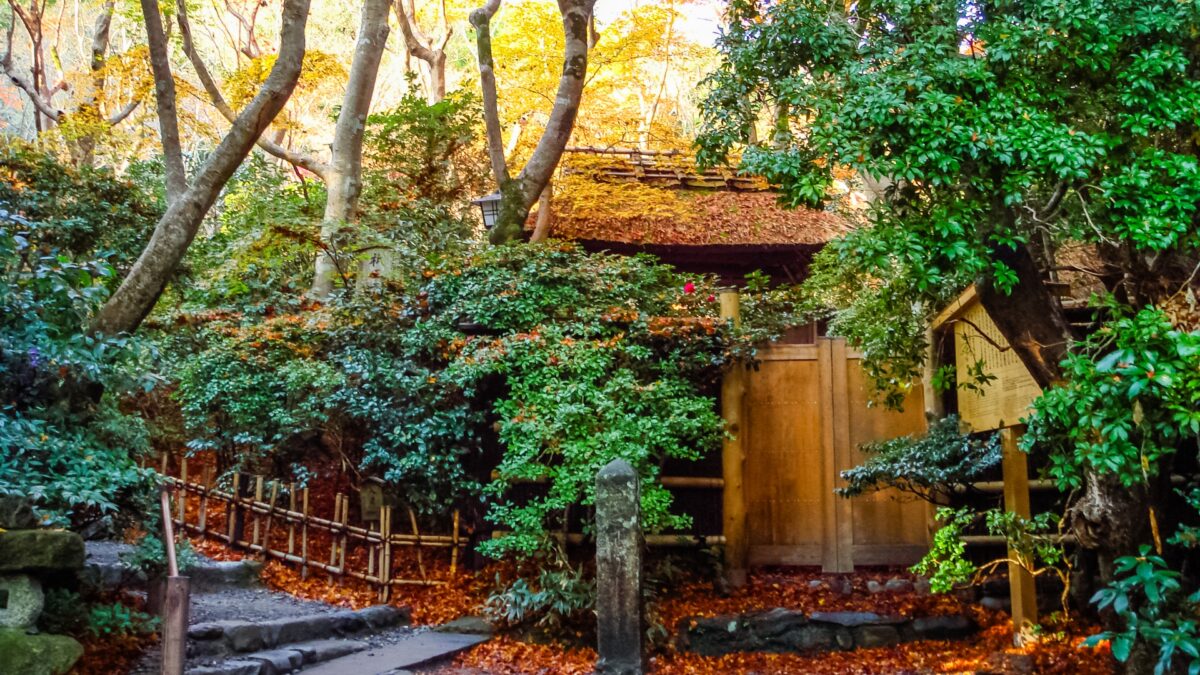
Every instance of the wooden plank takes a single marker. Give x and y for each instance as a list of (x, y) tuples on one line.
[(830, 561), (842, 459), (1016, 500), (175, 625), (733, 457)]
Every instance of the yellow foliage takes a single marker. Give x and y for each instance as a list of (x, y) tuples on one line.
[(319, 68)]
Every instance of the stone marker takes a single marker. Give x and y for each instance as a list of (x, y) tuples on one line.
[(618, 570), (21, 600)]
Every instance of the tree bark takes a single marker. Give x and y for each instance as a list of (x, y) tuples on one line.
[(545, 217), (344, 181), (138, 292), (164, 97), (519, 194)]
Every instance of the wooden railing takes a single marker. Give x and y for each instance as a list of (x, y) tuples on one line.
[(251, 521)]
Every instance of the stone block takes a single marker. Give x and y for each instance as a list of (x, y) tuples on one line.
[(277, 661), (234, 667), (386, 616), (471, 625), (16, 513), (21, 600), (40, 551), (948, 627), (866, 637), (774, 623), (851, 619), (898, 586), (317, 651), (37, 654)]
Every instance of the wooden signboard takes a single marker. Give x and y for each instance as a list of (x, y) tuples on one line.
[(998, 403), (1005, 397)]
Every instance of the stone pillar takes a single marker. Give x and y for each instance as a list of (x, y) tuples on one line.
[(619, 570)]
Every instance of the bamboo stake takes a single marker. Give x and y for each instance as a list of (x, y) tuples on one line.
[(291, 523), (233, 511), (454, 546), (412, 517), (344, 522), (371, 553), (181, 495), (270, 515), (206, 481), (258, 497), (333, 540), (304, 539), (385, 562)]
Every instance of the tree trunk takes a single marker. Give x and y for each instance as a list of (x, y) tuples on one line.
[(140, 289), (545, 217), (421, 46), (344, 182), (164, 97), (519, 194)]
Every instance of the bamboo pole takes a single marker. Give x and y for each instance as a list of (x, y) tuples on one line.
[(304, 539), (270, 515), (233, 511), (291, 523), (181, 495), (385, 553), (454, 547), (258, 497), (344, 521), (733, 457), (333, 538), (412, 517)]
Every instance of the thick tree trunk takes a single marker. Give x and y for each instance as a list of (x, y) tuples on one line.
[(344, 181), (140, 289), (519, 194), (164, 97), (432, 54)]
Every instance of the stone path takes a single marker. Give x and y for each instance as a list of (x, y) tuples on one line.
[(237, 627)]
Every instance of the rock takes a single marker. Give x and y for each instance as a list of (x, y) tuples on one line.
[(471, 625), (317, 651), (844, 587), (16, 513), (866, 637), (37, 654), (898, 585), (40, 551), (277, 661), (21, 600), (774, 623), (217, 575), (922, 586), (243, 637), (234, 667), (205, 631), (386, 616), (852, 619), (943, 627), (816, 584), (874, 586)]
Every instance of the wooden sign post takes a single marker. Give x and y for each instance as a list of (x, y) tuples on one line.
[(998, 403)]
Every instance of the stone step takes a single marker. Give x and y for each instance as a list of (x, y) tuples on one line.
[(239, 637), (409, 652), (283, 659)]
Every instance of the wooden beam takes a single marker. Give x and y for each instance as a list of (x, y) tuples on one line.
[(1016, 500), (733, 457)]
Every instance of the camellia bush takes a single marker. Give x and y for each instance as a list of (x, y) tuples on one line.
[(559, 360)]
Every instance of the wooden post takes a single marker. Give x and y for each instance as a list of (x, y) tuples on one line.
[(733, 457), (266, 543), (619, 626), (333, 533), (175, 605), (454, 546), (206, 485), (385, 553), (304, 538), (344, 538), (291, 522), (1016, 500)]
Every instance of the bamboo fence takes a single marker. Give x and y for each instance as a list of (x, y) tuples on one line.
[(262, 514)]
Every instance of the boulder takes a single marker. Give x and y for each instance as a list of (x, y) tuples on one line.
[(947, 627), (16, 513), (37, 654), (470, 625), (40, 551), (21, 600)]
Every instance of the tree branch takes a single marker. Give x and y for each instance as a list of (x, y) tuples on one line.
[(164, 97), (299, 159), (481, 19), (139, 291)]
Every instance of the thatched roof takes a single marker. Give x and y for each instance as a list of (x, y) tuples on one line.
[(663, 199)]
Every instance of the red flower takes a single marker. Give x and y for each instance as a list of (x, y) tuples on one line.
[(689, 287), (712, 298)]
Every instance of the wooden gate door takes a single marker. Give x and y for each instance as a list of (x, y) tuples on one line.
[(806, 412)]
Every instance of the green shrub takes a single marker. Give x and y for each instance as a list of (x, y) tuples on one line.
[(117, 619)]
